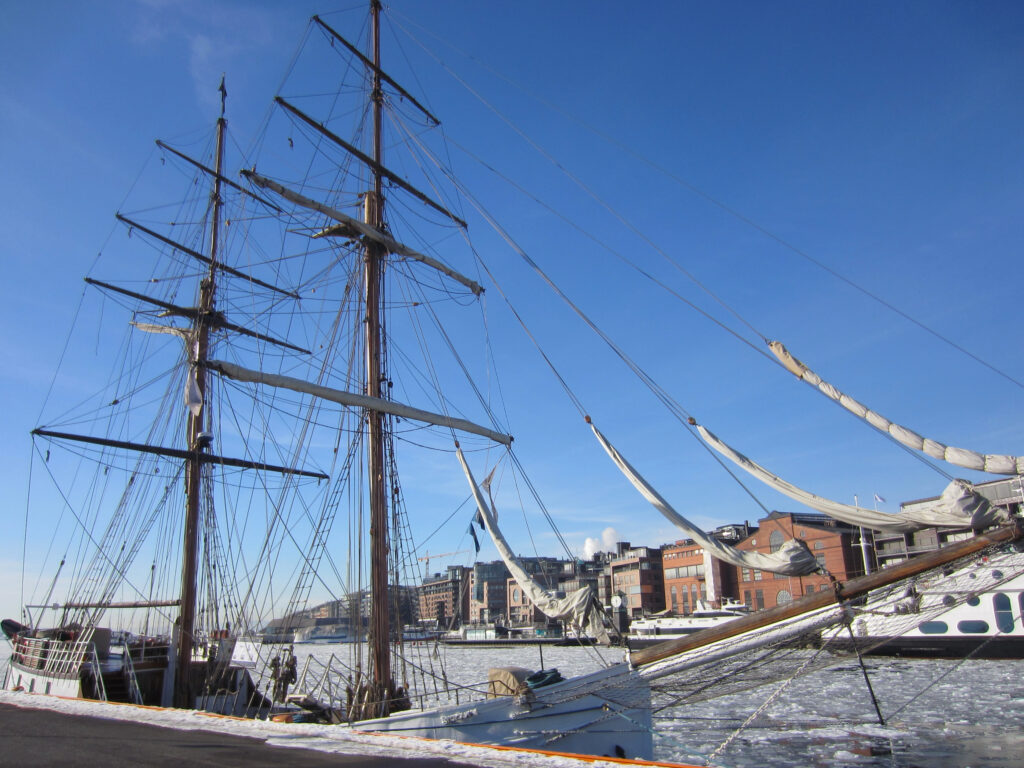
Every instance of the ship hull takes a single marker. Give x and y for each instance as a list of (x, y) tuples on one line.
[(606, 713)]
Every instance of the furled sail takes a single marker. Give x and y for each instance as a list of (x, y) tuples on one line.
[(959, 506), (580, 608), (193, 396), (792, 559), (998, 464), (239, 373)]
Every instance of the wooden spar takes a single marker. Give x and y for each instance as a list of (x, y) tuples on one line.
[(380, 634), (136, 604), (219, 177), (377, 70), (213, 319), (178, 453), (351, 228), (184, 696), (374, 164), (200, 257), (353, 399), (843, 591)]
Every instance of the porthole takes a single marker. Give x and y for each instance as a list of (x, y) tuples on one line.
[(933, 628), (1004, 612), (973, 601), (997, 575), (973, 627)]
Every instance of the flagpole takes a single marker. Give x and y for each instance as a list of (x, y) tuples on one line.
[(863, 540)]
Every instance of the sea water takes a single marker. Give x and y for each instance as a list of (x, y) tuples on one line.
[(936, 713)]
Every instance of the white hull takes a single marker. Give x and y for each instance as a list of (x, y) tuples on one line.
[(20, 678), (987, 622), (606, 713)]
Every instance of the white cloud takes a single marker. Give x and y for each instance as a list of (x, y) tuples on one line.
[(609, 538)]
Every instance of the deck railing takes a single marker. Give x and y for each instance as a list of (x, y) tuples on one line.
[(60, 658)]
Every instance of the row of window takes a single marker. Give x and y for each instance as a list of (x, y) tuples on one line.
[(684, 572), (1002, 610), (698, 552)]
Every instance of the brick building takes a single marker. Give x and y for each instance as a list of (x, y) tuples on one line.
[(637, 576), (444, 598), (832, 542)]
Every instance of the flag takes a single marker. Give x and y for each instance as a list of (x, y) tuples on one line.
[(478, 519), (476, 542), (879, 498)]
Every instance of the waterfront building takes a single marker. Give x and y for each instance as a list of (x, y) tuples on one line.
[(892, 548), (444, 598), (637, 577), (832, 542)]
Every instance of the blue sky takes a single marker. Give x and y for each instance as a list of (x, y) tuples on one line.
[(881, 139)]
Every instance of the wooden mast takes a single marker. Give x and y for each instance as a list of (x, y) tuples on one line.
[(183, 694), (374, 254)]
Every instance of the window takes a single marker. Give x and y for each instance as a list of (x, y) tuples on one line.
[(809, 589), (820, 560), (757, 575), (819, 545), (1004, 612), (675, 598), (759, 600), (783, 598), (781, 576), (746, 597), (973, 601), (745, 576), (775, 541), (933, 628), (973, 627)]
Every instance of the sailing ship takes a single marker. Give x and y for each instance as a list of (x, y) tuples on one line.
[(275, 303)]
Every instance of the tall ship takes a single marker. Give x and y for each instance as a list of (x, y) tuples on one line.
[(290, 334)]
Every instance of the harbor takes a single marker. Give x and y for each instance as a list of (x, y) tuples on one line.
[(939, 713), (447, 384)]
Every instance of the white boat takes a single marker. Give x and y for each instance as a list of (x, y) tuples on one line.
[(278, 306), (654, 629), (983, 625)]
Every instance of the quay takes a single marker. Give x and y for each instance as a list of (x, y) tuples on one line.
[(42, 737)]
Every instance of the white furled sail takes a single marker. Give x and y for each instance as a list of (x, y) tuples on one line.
[(997, 464), (580, 608), (959, 506), (354, 399), (792, 559)]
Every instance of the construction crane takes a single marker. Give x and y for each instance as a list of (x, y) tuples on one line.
[(426, 559)]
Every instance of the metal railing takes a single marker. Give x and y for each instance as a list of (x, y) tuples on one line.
[(130, 678), (97, 672), (60, 658)]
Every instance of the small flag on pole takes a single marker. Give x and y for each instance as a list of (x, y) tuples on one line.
[(879, 498), (476, 542)]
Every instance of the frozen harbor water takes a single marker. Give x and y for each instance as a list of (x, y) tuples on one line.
[(937, 713)]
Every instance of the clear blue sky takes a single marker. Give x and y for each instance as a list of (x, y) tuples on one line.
[(882, 139)]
